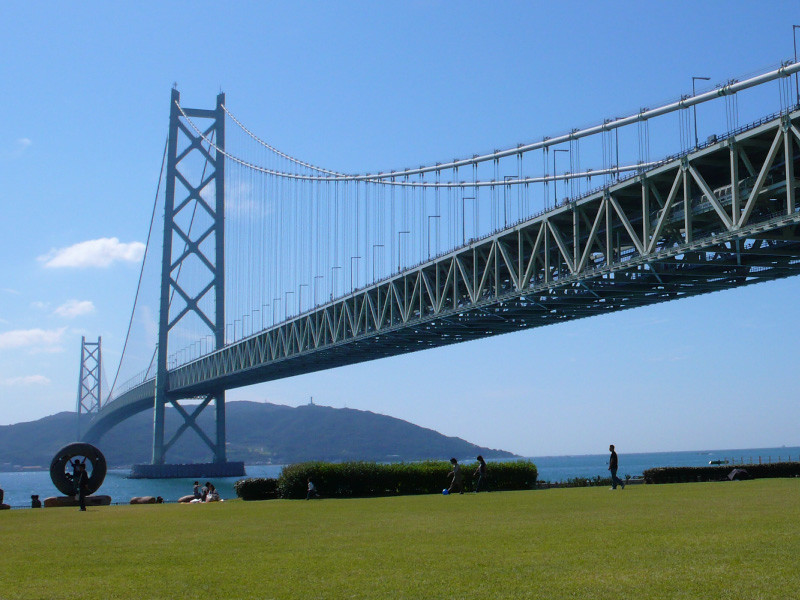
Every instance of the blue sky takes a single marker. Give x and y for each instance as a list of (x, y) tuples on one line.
[(366, 86)]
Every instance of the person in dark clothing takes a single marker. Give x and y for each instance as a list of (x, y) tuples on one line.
[(35, 502), (82, 485), (481, 474), (613, 464), (2, 495), (312, 490), (76, 464), (457, 485)]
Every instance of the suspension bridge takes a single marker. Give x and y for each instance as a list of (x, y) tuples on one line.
[(261, 266)]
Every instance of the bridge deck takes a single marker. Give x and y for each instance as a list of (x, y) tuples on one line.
[(717, 218)]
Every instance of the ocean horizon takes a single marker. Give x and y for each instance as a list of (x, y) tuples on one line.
[(20, 485)]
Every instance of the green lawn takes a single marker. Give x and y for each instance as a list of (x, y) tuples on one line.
[(735, 540)]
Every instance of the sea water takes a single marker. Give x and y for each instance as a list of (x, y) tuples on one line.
[(562, 468), (19, 486)]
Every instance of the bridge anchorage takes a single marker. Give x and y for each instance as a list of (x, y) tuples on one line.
[(383, 264)]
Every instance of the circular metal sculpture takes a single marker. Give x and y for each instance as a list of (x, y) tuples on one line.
[(64, 466)]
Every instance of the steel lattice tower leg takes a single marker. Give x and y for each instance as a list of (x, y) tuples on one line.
[(89, 380), (185, 191)]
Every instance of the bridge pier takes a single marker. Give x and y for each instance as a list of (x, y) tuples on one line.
[(188, 471)]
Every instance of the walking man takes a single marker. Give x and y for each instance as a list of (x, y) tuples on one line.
[(612, 466)]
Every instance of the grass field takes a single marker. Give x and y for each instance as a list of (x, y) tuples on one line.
[(737, 540)]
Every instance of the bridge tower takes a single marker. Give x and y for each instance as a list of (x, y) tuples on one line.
[(89, 380), (194, 236)]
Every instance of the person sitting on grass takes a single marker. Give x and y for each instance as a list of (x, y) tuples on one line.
[(196, 490), (458, 478), (213, 494)]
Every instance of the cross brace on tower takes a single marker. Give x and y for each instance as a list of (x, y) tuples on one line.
[(89, 380), (201, 241)]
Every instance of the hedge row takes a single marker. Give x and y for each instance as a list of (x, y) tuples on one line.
[(719, 473), (257, 488), (368, 479)]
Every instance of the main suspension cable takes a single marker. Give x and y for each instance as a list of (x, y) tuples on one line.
[(296, 161), (785, 71)]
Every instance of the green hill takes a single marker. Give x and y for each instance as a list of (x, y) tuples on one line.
[(257, 433)]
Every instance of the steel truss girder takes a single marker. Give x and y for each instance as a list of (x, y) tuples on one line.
[(625, 234), (721, 217)]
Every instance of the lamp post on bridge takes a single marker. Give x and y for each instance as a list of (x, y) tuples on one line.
[(374, 247), (506, 189), (315, 287), (274, 307), (286, 304), (429, 231), (300, 297), (244, 325), (555, 181), (352, 283), (464, 218), (399, 253), (694, 108), (333, 281)]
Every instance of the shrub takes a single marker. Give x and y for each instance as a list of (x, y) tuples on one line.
[(256, 488), (368, 479), (718, 473), (362, 479)]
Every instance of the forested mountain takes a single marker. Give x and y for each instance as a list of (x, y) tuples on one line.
[(257, 433)]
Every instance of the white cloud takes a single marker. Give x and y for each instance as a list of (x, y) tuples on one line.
[(11, 291), (94, 253), (75, 308), (20, 146), (41, 340), (26, 380)]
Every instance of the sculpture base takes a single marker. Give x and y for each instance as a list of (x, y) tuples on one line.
[(190, 471), (56, 501)]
